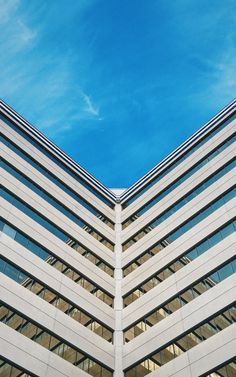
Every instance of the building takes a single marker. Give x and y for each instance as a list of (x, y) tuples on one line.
[(101, 284)]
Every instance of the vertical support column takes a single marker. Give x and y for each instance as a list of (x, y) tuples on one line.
[(118, 302)]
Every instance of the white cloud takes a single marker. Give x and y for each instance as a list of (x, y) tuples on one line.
[(16, 34), (219, 85), (38, 81), (25, 34), (89, 106)]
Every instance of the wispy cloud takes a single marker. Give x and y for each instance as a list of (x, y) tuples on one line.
[(218, 76), (26, 34), (40, 73), (90, 107), (65, 68), (16, 34)]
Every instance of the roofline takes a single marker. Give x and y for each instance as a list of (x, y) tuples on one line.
[(151, 174), (56, 151), (140, 183)]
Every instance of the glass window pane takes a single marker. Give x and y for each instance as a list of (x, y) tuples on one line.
[(3, 313), (21, 239), (12, 272), (29, 329), (5, 369), (15, 372), (36, 288), (1, 228), (225, 271), (167, 354), (2, 265), (63, 305), (43, 338), (8, 230), (187, 296), (174, 305), (202, 247), (14, 321)]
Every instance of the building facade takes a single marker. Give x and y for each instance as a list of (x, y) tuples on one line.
[(94, 283)]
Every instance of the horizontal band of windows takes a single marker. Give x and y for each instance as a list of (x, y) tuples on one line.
[(56, 262), (185, 227), (57, 161), (183, 157), (182, 202), (176, 265), (54, 298), (20, 323), (55, 203), (228, 369), (43, 253), (167, 190), (181, 299), (184, 343), (9, 369), (34, 215), (49, 175)]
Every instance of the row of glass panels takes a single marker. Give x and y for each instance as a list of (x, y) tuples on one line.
[(181, 299), (54, 298), (56, 262), (55, 203), (185, 199), (32, 330), (202, 247), (183, 157), (187, 225), (54, 179), (41, 220), (184, 343), (57, 161)]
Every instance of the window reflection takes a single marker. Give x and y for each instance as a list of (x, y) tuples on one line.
[(180, 300), (54, 299), (173, 267), (184, 343), (49, 341)]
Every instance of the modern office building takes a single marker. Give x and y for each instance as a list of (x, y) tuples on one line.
[(98, 282)]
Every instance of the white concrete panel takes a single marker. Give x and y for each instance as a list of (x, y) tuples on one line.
[(72, 258), (59, 248), (188, 210), (181, 321), (55, 191), (56, 281), (51, 213), (196, 361), (33, 357), (180, 169), (179, 281), (227, 114), (179, 192), (52, 166), (55, 321), (207, 356), (11, 213), (174, 221), (176, 249)]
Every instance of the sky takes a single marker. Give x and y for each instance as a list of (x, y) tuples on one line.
[(118, 84)]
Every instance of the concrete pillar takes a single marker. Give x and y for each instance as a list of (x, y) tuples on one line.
[(118, 302)]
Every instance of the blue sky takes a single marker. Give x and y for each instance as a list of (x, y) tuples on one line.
[(118, 84)]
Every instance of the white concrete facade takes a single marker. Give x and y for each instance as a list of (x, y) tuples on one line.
[(69, 281)]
